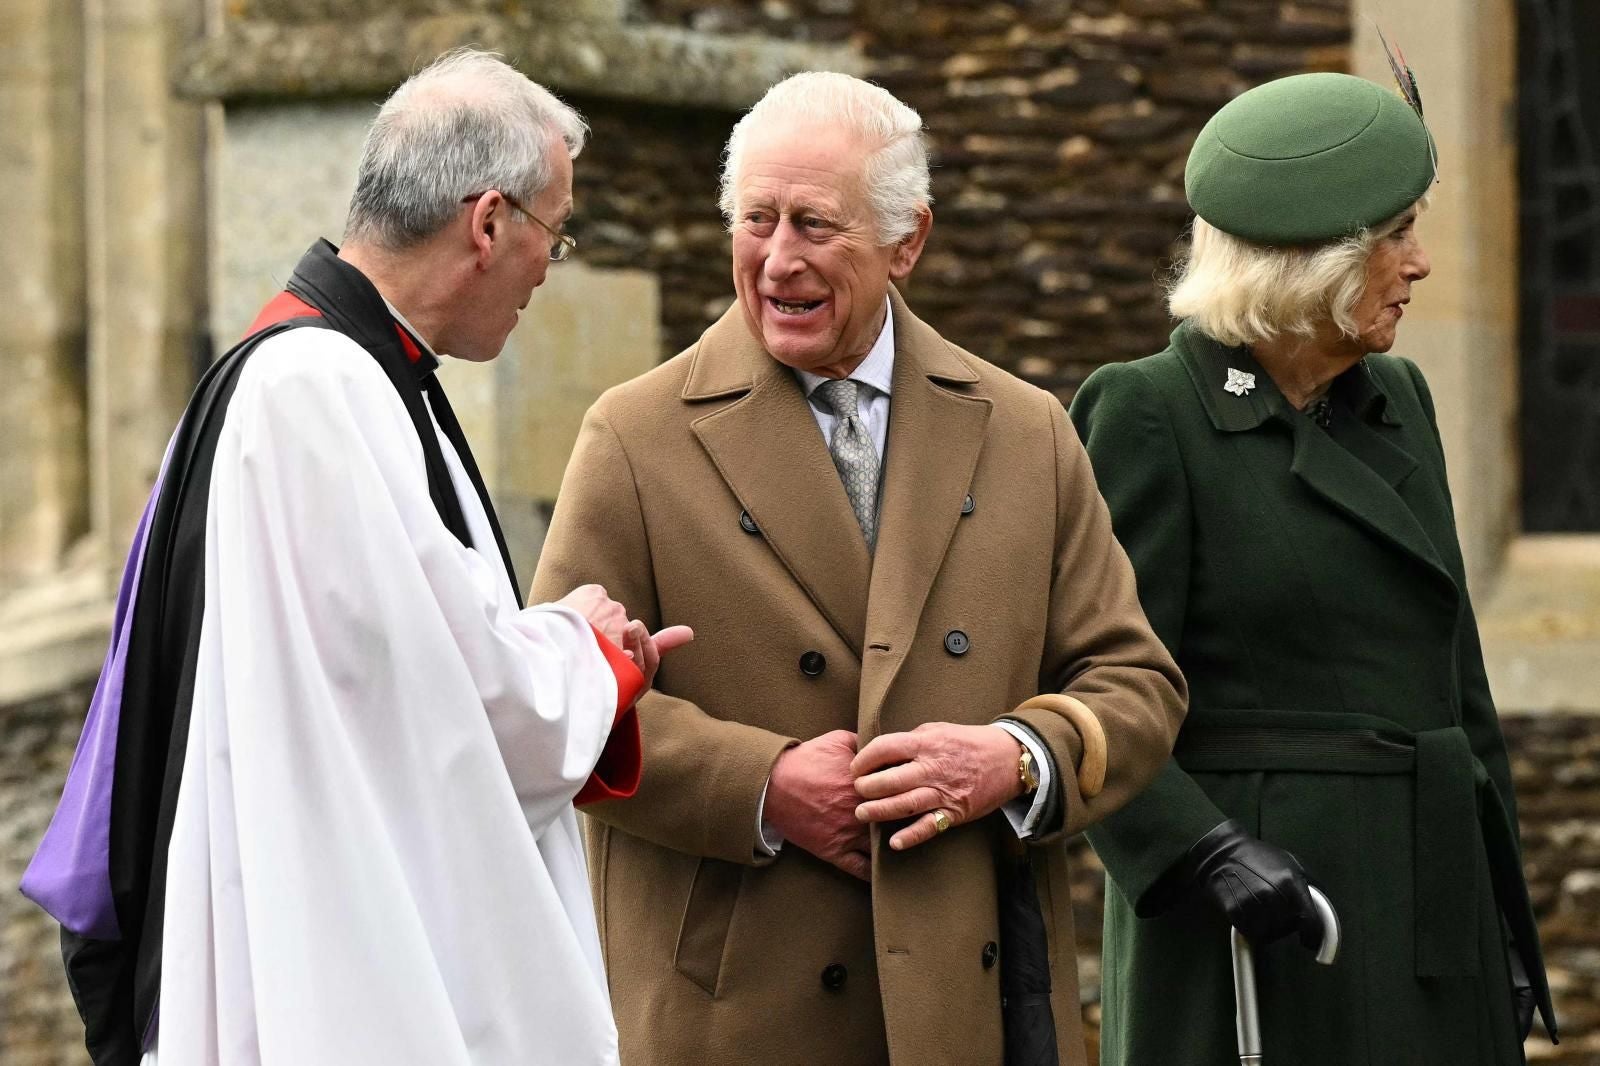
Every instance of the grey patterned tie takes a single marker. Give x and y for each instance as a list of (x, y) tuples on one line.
[(853, 453)]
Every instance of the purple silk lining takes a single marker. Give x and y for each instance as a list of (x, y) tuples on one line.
[(70, 875)]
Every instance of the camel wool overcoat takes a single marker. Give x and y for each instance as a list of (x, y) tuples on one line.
[(703, 493)]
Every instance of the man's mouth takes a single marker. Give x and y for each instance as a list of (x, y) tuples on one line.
[(793, 307)]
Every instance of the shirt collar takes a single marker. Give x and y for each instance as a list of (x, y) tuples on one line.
[(876, 370)]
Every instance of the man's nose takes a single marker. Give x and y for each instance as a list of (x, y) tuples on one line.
[(785, 253)]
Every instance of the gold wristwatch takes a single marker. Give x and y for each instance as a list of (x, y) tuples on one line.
[(1027, 771)]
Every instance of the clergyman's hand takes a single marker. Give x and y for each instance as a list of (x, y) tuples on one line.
[(604, 613), (966, 771), (811, 800), (647, 648)]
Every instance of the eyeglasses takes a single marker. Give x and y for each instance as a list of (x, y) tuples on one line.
[(560, 249)]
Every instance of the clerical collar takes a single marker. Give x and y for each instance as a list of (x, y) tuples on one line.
[(876, 370), (431, 356)]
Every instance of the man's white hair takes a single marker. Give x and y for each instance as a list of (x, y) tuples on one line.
[(896, 171), (466, 123), (1240, 292)]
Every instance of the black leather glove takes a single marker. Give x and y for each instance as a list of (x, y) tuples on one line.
[(1521, 991), (1260, 888)]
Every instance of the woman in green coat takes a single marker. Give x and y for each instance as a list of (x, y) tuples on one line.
[(1280, 488)]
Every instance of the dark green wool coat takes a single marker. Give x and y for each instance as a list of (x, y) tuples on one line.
[(1308, 580)]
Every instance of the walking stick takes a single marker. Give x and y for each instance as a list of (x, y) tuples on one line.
[(1248, 1018)]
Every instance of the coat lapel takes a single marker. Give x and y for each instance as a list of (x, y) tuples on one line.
[(1357, 474), (935, 436), (767, 447)]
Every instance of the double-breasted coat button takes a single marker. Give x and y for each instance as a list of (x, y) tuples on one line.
[(747, 523), (812, 663), (833, 977), (968, 504), (991, 953), (956, 642)]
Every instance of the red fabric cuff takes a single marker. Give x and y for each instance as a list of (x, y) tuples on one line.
[(616, 775)]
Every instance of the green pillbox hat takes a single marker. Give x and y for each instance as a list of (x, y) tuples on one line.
[(1307, 159)]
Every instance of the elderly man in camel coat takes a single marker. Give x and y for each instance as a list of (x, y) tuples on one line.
[(921, 662)]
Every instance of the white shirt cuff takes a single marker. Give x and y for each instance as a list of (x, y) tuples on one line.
[(1023, 813), (768, 840)]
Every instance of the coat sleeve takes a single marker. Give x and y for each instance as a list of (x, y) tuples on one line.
[(703, 776), (1478, 716), (1099, 651), (1140, 470)]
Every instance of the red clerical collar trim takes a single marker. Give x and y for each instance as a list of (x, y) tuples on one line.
[(281, 308), (409, 346), (287, 305)]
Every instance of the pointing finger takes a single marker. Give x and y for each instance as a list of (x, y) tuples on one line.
[(673, 637)]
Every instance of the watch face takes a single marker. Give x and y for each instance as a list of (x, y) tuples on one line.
[(1030, 776)]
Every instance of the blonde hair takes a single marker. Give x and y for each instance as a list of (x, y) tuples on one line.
[(1240, 292)]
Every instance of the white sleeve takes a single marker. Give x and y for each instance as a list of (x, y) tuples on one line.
[(1023, 813), (768, 840), (332, 533)]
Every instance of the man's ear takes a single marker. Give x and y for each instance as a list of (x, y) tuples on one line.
[(905, 255), (484, 225)]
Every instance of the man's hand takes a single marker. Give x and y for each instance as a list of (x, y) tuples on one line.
[(603, 612), (647, 649), (967, 771), (811, 800)]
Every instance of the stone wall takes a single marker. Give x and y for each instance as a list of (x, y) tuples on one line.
[(1059, 130), (1555, 763), (38, 1024)]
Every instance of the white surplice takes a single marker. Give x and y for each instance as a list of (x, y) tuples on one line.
[(374, 857)]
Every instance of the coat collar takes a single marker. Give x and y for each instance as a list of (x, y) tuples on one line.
[(1358, 468), (1208, 362), (766, 446)]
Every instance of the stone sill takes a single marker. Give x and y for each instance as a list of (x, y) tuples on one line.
[(1541, 626), (53, 634), (368, 57)]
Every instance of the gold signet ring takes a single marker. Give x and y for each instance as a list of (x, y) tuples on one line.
[(941, 821)]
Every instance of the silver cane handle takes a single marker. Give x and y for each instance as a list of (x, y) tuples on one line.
[(1329, 949), (1247, 1017)]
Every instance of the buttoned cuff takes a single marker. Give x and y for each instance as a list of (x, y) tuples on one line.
[(1022, 813), (768, 840)]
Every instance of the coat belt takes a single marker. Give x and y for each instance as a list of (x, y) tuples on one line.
[(1456, 800)]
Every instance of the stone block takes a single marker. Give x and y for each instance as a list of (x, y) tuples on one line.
[(251, 59)]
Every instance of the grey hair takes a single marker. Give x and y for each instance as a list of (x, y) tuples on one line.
[(1240, 292), (466, 123), (896, 172)]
